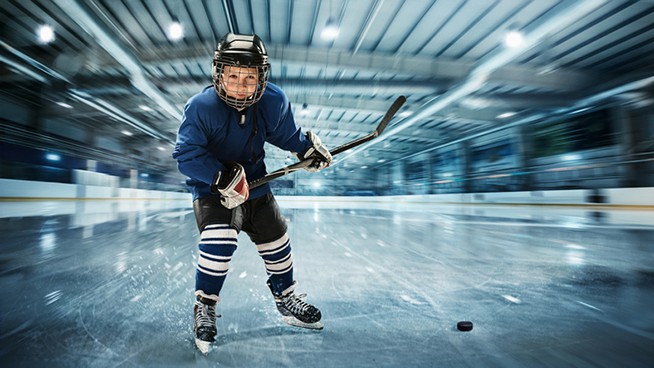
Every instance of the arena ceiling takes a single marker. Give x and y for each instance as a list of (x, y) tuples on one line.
[(113, 70)]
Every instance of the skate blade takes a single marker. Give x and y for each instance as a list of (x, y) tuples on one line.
[(297, 323), (203, 346)]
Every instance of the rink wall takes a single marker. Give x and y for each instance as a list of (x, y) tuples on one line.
[(29, 190), (581, 197)]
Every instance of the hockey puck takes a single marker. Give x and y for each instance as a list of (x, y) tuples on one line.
[(464, 326)]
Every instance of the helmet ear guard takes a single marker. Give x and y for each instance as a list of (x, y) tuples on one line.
[(244, 51)]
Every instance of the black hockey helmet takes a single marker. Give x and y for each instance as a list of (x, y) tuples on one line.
[(241, 51)]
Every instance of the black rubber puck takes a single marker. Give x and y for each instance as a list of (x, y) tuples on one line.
[(464, 326)]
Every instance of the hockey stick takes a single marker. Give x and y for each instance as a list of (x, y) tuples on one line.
[(395, 107)]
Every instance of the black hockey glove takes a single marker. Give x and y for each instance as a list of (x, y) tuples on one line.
[(318, 152), (232, 186)]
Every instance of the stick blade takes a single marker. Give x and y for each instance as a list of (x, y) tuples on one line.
[(395, 107)]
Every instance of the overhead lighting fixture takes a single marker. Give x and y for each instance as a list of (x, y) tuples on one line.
[(127, 133), (63, 104), (514, 39), (505, 115), (52, 157), (45, 33), (145, 108), (331, 30), (571, 157), (175, 31)]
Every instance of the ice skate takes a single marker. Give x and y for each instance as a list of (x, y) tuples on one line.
[(296, 312), (204, 325)]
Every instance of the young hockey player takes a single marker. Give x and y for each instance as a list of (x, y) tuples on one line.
[(220, 146)]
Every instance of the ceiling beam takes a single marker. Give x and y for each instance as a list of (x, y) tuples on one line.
[(411, 66), (107, 40), (480, 74)]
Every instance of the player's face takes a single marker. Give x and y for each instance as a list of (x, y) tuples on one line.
[(240, 82)]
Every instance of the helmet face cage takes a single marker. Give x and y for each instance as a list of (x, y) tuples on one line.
[(219, 84), (240, 51)]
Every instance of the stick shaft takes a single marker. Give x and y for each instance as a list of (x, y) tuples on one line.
[(395, 107)]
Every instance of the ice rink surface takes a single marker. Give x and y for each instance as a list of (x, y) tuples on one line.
[(110, 284)]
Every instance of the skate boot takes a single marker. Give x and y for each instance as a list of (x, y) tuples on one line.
[(295, 311), (204, 324)]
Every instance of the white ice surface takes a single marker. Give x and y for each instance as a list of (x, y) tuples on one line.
[(111, 285)]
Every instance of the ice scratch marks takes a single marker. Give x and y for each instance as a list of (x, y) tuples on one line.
[(512, 299), (175, 268), (589, 306), (53, 297), (410, 300)]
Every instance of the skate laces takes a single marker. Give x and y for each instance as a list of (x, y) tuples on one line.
[(295, 303), (205, 315)]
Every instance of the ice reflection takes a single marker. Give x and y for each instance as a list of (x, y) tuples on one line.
[(48, 242)]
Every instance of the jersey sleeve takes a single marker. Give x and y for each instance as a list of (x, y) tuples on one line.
[(287, 135), (193, 157)]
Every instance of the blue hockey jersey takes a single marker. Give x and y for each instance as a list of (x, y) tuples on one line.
[(213, 134)]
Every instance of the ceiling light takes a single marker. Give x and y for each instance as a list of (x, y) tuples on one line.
[(52, 157), (145, 108), (513, 39), (571, 157), (127, 133), (331, 30), (175, 31), (63, 104), (46, 34), (505, 115)]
